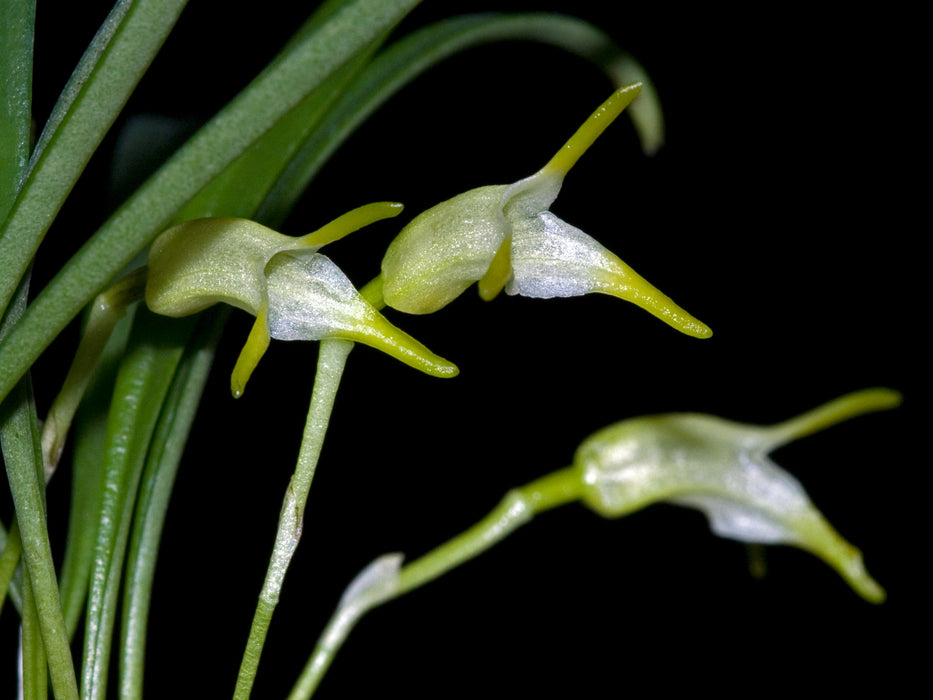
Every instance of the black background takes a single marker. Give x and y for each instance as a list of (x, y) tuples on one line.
[(777, 212)]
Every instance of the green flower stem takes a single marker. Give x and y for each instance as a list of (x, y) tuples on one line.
[(332, 359), (162, 463), (517, 508)]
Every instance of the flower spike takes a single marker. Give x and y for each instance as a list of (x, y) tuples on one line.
[(504, 237), (294, 292)]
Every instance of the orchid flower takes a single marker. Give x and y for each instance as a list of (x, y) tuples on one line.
[(295, 292), (504, 236), (722, 469)]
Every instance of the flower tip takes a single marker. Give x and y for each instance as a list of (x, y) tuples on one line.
[(237, 386), (398, 344), (695, 328), (881, 398), (821, 539), (446, 370), (433, 364), (663, 307), (854, 572)]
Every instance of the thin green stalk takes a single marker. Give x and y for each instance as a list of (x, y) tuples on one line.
[(383, 580), (332, 358), (162, 463)]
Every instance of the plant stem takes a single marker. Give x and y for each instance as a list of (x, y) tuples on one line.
[(332, 359), (382, 581)]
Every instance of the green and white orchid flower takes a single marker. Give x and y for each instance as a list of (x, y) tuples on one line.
[(722, 468), (295, 292), (504, 237)]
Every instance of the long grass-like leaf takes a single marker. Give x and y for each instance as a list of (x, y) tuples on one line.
[(9, 560), (242, 186), (22, 454), (96, 92), (411, 56), (87, 460), (155, 348), (17, 20), (299, 70), (34, 681), (162, 463)]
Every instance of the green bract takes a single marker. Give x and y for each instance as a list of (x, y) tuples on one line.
[(295, 292), (503, 236), (722, 469)]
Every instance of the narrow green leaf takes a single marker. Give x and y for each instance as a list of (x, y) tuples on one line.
[(16, 37), (300, 69), (34, 664), (155, 348), (22, 454), (96, 92), (242, 186), (165, 454), (19, 435), (86, 464), (9, 560), (411, 56), (16, 32)]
